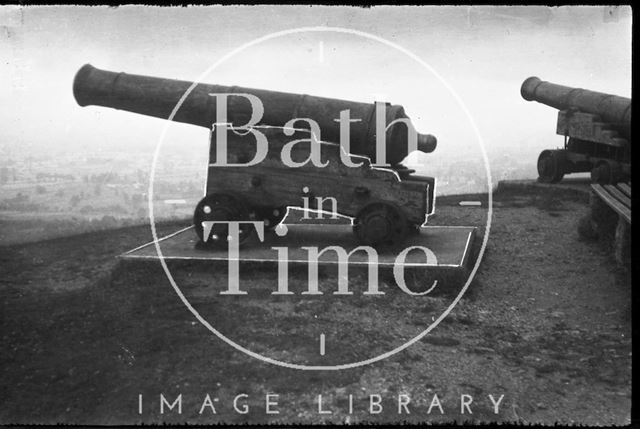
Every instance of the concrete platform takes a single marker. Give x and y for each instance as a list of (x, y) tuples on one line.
[(450, 244)]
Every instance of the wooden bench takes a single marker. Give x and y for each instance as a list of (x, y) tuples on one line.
[(611, 214)]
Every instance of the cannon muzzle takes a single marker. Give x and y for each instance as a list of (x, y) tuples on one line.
[(158, 97), (612, 109)]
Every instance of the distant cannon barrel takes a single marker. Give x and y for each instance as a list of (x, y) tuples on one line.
[(158, 97), (612, 109)]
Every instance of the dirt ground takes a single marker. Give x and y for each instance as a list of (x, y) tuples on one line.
[(546, 323)]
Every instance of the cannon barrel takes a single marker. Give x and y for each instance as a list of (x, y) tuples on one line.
[(157, 97), (612, 109)]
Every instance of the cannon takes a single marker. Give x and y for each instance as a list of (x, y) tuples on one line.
[(157, 97), (386, 200), (596, 129)]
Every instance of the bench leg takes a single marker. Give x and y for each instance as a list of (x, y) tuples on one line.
[(623, 242), (603, 218)]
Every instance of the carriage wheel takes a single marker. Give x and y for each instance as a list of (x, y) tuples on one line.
[(220, 207), (551, 166), (605, 173), (380, 224)]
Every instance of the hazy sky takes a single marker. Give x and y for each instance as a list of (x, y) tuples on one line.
[(484, 53)]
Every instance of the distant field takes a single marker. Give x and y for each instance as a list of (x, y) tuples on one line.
[(38, 211)]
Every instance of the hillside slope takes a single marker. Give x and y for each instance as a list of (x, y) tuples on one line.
[(546, 322)]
